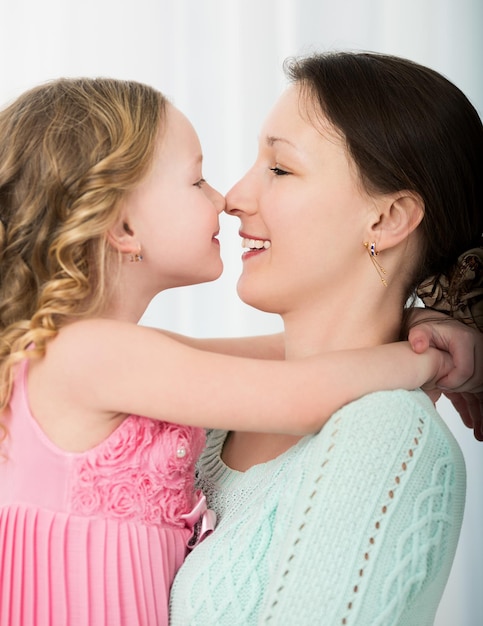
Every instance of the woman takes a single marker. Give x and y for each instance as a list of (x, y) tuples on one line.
[(366, 183)]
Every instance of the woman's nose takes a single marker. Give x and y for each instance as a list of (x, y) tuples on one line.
[(241, 197)]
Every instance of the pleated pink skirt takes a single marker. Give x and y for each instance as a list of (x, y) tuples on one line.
[(58, 569)]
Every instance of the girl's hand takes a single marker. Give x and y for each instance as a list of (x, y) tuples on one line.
[(463, 384)]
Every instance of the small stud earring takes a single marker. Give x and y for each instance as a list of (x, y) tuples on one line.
[(371, 249), (135, 258)]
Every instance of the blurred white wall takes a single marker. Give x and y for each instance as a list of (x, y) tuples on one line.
[(220, 62)]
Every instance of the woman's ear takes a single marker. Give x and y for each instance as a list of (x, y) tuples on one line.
[(398, 216), (122, 238)]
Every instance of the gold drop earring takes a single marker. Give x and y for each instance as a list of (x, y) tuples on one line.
[(371, 249), (135, 257)]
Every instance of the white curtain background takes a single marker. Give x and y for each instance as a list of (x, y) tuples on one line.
[(220, 62)]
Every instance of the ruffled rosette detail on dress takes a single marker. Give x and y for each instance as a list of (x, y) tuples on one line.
[(143, 472)]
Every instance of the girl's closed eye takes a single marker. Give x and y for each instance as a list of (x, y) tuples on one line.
[(200, 182), (278, 171)]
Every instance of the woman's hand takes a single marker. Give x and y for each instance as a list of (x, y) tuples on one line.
[(463, 385)]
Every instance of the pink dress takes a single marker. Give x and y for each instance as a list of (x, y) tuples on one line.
[(94, 538)]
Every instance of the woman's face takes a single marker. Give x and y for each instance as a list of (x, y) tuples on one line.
[(303, 212)]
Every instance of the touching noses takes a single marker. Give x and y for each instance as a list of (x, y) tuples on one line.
[(217, 199)]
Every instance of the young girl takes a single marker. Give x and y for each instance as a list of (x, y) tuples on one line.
[(103, 205)]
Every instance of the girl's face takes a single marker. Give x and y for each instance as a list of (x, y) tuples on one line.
[(173, 212), (303, 213)]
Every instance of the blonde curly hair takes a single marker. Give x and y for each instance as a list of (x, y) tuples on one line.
[(70, 150)]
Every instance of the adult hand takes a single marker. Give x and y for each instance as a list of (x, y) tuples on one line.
[(470, 408), (463, 385)]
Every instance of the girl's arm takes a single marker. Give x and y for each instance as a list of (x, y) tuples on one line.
[(464, 385), (464, 344), (123, 368), (255, 347)]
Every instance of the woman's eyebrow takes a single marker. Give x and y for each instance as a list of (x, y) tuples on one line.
[(271, 140)]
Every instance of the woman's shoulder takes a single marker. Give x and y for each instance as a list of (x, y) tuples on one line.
[(398, 406), (396, 399), (381, 486), (393, 420)]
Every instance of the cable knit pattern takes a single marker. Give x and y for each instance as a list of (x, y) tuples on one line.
[(357, 525)]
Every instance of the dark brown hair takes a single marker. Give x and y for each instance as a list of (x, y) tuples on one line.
[(407, 128)]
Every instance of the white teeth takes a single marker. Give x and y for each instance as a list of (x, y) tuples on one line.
[(256, 244)]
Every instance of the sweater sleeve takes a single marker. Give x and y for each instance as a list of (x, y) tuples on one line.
[(374, 526)]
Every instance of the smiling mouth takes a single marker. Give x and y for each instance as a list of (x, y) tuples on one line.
[(255, 244)]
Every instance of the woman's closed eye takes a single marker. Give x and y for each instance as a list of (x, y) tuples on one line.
[(200, 182), (278, 171)]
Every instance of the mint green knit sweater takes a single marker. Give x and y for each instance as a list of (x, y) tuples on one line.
[(356, 525)]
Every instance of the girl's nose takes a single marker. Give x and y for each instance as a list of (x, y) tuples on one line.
[(217, 198)]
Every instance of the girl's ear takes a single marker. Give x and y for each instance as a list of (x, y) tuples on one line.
[(122, 238), (398, 216)]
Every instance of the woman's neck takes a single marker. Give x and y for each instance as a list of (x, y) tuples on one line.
[(307, 333), (362, 321), (312, 331)]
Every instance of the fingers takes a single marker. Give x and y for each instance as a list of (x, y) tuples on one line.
[(461, 378), (470, 408), (459, 403), (434, 394), (442, 365), (464, 344), (419, 338), (462, 383), (467, 375)]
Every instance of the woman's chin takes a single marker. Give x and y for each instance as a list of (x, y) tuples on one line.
[(256, 298)]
